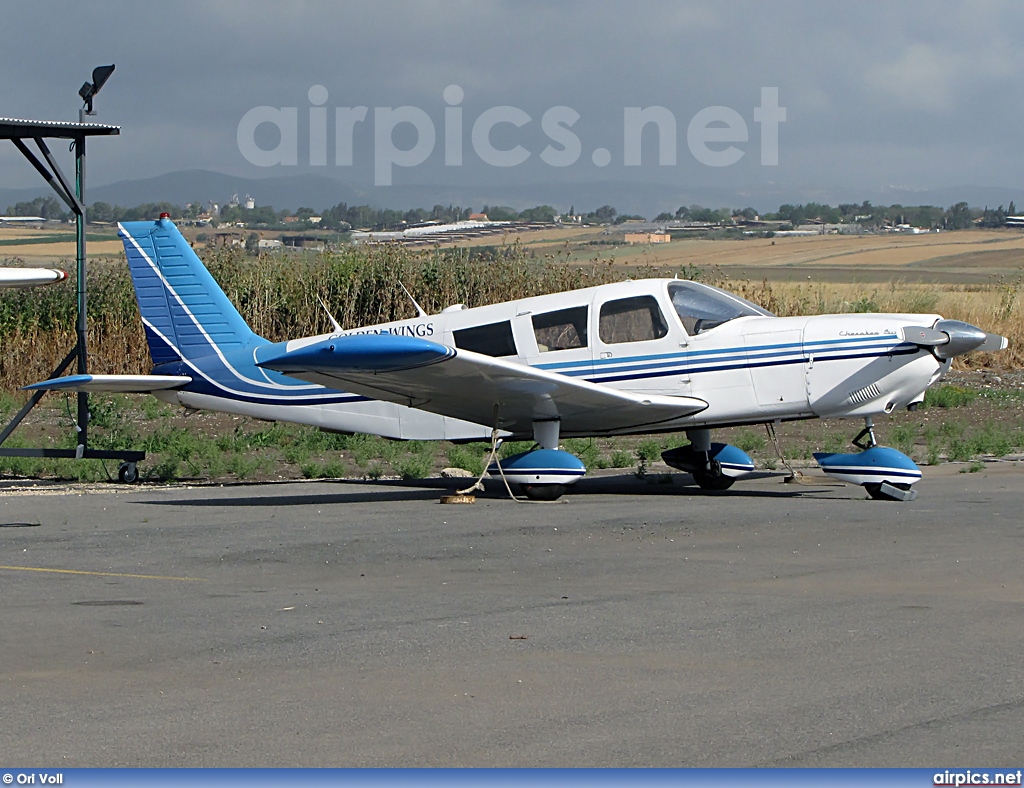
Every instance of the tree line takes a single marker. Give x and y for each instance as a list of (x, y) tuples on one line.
[(956, 217), (343, 217)]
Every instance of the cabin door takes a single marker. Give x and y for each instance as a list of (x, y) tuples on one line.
[(636, 348)]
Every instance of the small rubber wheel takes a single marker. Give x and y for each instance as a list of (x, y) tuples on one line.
[(543, 492), (708, 482), (875, 490), (128, 473)]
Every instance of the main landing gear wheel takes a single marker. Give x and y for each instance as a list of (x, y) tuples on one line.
[(712, 478), (543, 492), (128, 473)]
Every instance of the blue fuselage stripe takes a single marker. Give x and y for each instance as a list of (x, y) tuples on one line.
[(738, 363), (849, 343)]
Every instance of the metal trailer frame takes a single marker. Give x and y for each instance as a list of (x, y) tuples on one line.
[(18, 132)]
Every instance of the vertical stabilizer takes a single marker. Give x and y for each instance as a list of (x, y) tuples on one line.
[(186, 314)]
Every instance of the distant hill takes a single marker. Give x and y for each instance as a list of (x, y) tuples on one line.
[(648, 199), (185, 186), (319, 192)]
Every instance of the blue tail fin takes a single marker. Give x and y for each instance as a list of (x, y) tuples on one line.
[(186, 314)]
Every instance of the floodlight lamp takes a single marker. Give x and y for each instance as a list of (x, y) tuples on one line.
[(100, 75), (88, 91)]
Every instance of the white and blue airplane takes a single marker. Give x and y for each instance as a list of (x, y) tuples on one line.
[(30, 277), (654, 355)]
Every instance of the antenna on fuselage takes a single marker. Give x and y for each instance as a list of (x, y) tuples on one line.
[(418, 307), (337, 326)]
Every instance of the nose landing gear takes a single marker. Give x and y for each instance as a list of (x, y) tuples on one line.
[(865, 439), (885, 473)]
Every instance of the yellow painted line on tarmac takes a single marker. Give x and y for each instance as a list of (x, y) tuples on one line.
[(98, 574)]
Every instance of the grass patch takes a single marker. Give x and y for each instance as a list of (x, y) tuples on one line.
[(459, 456), (903, 437), (621, 459), (749, 441), (414, 466), (949, 397)]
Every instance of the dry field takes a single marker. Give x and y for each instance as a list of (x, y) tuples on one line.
[(964, 257), (60, 250)]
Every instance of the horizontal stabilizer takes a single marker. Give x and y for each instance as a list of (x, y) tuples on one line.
[(114, 384), (30, 277)]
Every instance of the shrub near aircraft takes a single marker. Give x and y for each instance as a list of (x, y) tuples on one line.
[(655, 355)]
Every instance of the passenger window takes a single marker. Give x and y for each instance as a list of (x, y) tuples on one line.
[(493, 339), (561, 330), (631, 320)]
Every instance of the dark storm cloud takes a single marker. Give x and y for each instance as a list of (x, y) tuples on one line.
[(922, 95)]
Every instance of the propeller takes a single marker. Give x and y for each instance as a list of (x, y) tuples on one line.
[(949, 338)]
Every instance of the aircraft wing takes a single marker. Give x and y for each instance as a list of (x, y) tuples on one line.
[(30, 277), (473, 387), (114, 384)]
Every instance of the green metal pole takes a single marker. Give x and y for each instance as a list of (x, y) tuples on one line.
[(83, 362)]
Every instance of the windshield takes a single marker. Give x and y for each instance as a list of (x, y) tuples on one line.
[(702, 307)]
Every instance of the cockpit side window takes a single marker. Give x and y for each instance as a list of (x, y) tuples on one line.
[(702, 307), (561, 330)]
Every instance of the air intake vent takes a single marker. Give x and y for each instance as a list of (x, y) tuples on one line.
[(863, 395)]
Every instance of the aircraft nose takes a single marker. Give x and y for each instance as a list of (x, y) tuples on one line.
[(949, 338), (963, 338)]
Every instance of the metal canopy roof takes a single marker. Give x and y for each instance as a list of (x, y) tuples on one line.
[(12, 128)]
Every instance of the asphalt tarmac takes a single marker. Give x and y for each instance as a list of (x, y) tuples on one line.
[(631, 624)]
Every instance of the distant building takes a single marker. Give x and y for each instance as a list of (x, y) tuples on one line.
[(250, 203), (826, 228), (648, 238), (21, 220), (307, 242), (478, 217)]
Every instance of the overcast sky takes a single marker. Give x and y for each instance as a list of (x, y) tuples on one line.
[(911, 95)]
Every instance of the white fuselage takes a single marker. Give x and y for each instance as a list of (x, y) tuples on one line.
[(751, 369)]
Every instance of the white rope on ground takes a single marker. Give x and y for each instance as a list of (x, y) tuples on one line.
[(478, 485)]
